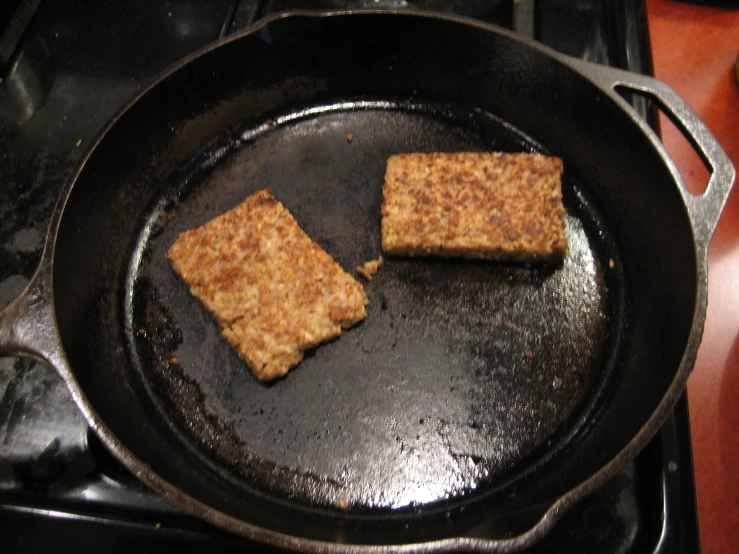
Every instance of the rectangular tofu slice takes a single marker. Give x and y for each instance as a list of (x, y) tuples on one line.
[(274, 291), (474, 205)]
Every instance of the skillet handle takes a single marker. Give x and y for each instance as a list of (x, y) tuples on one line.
[(704, 209), (27, 325)]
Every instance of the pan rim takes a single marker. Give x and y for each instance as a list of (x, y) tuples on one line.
[(203, 511)]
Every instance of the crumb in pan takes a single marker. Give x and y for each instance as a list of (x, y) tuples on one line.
[(273, 290), (474, 205), (369, 269)]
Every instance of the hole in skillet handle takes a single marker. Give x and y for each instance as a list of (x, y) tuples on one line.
[(704, 209), (683, 149)]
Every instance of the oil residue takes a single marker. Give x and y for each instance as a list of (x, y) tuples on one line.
[(157, 337), (460, 371)]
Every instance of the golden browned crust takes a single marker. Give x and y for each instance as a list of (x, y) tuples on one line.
[(273, 290), (474, 205)]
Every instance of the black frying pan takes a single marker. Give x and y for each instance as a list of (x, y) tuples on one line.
[(478, 401)]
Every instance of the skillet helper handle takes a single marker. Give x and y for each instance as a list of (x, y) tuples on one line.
[(27, 325), (704, 209)]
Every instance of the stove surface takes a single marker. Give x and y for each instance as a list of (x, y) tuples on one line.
[(65, 72)]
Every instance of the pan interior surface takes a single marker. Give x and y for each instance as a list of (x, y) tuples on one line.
[(464, 374)]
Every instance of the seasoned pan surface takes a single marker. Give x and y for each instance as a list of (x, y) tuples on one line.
[(463, 374)]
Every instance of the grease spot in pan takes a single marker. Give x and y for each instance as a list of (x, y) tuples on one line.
[(434, 396)]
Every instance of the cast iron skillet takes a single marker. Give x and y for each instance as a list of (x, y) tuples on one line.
[(478, 401)]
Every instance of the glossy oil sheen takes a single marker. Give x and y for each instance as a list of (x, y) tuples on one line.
[(461, 369)]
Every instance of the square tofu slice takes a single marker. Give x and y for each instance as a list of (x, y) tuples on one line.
[(474, 205), (274, 291)]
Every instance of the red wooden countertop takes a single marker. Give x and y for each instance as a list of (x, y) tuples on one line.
[(695, 50)]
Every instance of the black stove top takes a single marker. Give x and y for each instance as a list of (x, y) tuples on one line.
[(65, 69)]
